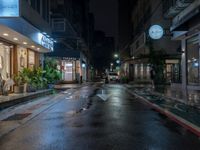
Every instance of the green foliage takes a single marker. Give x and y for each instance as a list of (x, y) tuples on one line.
[(34, 77), (157, 60), (124, 79), (52, 74), (37, 78), (18, 80)]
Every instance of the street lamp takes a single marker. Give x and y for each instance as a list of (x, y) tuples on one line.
[(118, 61), (116, 55)]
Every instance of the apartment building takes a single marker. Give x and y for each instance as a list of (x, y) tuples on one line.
[(73, 30), (147, 14)]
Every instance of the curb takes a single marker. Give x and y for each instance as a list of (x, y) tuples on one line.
[(27, 98), (179, 120)]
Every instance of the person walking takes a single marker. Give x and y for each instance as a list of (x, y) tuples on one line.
[(152, 76)]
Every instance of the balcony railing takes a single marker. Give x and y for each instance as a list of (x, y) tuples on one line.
[(172, 8)]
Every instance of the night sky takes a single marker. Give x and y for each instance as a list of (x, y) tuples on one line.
[(106, 16)]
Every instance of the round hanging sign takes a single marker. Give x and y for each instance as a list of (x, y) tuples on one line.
[(156, 32)]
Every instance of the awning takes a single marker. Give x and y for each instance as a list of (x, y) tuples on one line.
[(19, 31)]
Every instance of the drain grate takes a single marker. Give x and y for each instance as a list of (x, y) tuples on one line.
[(17, 117)]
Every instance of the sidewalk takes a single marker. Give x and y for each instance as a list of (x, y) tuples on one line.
[(13, 99), (169, 103), (177, 94)]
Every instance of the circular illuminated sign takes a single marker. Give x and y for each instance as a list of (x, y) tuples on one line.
[(156, 32)]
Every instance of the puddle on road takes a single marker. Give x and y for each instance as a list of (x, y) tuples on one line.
[(76, 125), (97, 124)]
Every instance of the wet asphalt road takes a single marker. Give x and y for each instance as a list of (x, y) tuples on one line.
[(120, 123)]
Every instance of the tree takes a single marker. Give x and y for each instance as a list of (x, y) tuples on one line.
[(157, 60)]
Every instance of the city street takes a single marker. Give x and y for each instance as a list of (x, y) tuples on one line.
[(91, 117)]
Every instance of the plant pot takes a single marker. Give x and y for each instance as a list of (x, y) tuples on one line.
[(31, 88), (25, 87), (19, 89), (50, 86)]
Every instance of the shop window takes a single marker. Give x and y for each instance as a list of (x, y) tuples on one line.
[(5, 52), (68, 71), (31, 59), (193, 60), (22, 58)]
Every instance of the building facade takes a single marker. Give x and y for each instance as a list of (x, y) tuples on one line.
[(73, 30), (144, 15), (185, 26), (24, 36)]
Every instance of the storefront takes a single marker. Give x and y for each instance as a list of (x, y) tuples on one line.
[(22, 44), (70, 69), (186, 29), (18, 51), (72, 63), (173, 70), (142, 72)]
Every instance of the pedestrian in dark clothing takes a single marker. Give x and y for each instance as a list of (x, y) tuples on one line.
[(152, 76)]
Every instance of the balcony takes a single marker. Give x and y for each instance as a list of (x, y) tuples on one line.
[(174, 7)]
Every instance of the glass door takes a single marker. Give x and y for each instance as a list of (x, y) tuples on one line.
[(193, 60)]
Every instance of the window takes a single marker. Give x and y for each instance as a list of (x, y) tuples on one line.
[(5, 52), (31, 59), (193, 60)]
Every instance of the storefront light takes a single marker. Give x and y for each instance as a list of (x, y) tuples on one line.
[(25, 43), (83, 65), (15, 39), (118, 61), (69, 65), (5, 34), (33, 46), (196, 64)]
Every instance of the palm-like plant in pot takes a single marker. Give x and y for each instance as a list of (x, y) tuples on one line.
[(28, 75), (19, 84)]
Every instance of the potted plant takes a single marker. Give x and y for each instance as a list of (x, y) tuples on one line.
[(51, 74), (19, 86)]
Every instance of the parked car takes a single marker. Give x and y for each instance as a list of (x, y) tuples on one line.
[(113, 76)]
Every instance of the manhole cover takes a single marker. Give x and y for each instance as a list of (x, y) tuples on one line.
[(17, 117)]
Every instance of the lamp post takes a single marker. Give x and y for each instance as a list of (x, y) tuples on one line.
[(111, 66)]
